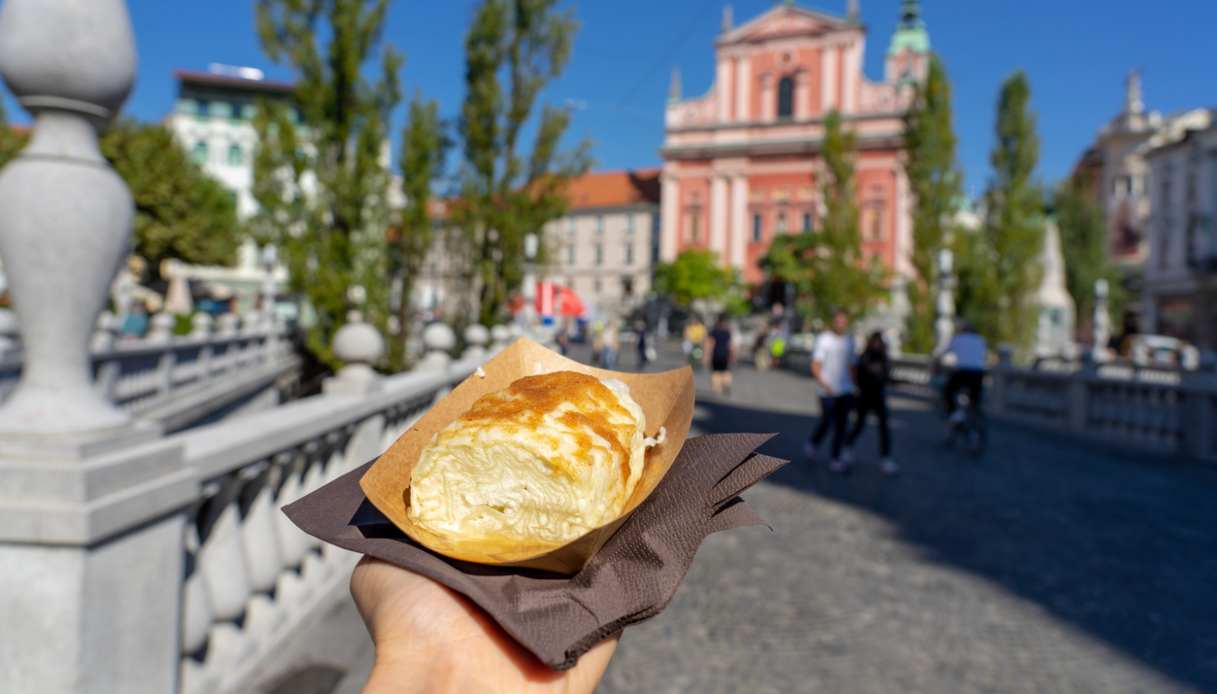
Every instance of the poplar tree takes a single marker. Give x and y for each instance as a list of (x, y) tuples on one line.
[(1083, 246), (423, 146), (826, 266), (1001, 271), (513, 49), (934, 181), (321, 173)]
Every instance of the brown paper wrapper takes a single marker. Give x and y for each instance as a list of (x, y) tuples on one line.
[(666, 399), (632, 577)]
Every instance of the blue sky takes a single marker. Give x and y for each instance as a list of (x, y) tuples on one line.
[(1076, 53)]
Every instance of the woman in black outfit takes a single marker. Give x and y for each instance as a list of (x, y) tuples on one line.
[(722, 354), (873, 373)]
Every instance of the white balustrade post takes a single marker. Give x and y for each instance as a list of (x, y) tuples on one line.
[(501, 336), (105, 332), (359, 345), (160, 329), (438, 341), (10, 334), (91, 522), (476, 339), (229, 325)]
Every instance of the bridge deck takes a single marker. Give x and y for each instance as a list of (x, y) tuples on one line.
[(1046, 566)]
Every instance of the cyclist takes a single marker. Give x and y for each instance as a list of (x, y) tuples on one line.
[(968, 371)]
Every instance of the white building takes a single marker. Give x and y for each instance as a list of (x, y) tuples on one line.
[(213, 119), (1180, 296)]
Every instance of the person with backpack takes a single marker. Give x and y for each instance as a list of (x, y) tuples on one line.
[(872, 372)]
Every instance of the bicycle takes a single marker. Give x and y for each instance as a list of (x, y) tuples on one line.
[(972, 432)]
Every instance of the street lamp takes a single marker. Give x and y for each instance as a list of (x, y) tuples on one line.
[(270, 258), (530, 281)]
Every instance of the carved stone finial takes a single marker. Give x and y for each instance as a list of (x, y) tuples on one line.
[(674, 85), (200, 324), (65, 215), (728, 20), (476, 339), (438, 341)]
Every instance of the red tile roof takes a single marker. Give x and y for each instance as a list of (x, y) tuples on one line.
[(614, 189)]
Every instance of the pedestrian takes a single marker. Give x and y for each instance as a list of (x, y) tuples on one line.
[(873, 371), (721, 352), (611, 341), (832, 368), (563, 339), (643, 355)]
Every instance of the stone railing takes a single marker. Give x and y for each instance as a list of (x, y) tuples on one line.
[(173, 378), (1154, 410), (252, 578)]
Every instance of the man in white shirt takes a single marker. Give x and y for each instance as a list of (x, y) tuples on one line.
[(832, 364), (970, 353)]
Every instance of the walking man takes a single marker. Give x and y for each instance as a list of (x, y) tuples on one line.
[(873, 373), (832, 368)]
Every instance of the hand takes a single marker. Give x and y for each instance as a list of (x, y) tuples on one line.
[(828, 390), (429, 638)]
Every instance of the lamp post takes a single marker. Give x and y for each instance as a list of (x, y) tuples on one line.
[(270, 258), (944, 325), (1102, 322)]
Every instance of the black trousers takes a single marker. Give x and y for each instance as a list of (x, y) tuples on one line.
[(834, 411), (971, 381), (873, 401)]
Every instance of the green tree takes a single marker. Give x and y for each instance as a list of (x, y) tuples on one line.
[(1001, 269), (826, 266), (1083, 245), (11, 141), (698, 280), (320, 177), (934, 180), (180, 212), (423, 146), (513, 49)]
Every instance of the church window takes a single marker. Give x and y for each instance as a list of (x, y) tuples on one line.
[(781, 225), (758, 227), (694, 219), (806, 221), (786, 97), (236, 157)]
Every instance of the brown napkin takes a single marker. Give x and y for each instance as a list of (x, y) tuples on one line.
[(632, 577)]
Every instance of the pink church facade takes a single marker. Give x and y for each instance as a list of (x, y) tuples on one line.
[(742, 163)]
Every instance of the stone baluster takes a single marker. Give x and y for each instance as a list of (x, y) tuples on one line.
[(105, 333), (92, 572), (476, 339), (359, 345), (501, 336), (160, 329), (10, 334), (261, 546), (252, 322), (200, 325), (438, 341), (229, 325)]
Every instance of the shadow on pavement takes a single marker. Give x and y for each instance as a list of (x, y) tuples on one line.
[(1124, 550)]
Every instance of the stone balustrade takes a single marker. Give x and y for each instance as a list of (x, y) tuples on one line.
[(147, 376), (252, 578), (1172, 413)]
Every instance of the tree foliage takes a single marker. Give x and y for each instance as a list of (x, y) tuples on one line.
[(935, 183), (1000, 268), (826, 266), (320, 175), (513, 49), (698, 279), (180, 211), (1083, 245), (423, 146), (11, 141)]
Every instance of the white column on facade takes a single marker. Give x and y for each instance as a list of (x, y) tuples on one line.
[(669, 217), (903, 243), (850, 73), (802, 95), (828, 78), (739, 219), (722, 88), (718, 215), (743, 80)]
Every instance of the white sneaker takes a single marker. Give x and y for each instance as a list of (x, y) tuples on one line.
[(889, 467), (838, 465)]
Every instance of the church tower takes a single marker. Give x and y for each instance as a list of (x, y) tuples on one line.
[(908, 55)]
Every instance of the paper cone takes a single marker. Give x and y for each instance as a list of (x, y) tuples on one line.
[(666, 399)]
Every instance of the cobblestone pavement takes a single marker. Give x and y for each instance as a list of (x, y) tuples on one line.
[(1045, 566)]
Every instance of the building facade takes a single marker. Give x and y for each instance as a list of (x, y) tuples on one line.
[(1180, 290), (742, 163), (605, 247), (213, 119), (1116, 169)]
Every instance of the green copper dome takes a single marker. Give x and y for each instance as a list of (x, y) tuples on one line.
[(910, 34)]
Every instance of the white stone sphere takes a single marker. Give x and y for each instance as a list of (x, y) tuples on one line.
[(500, 333), (358, 343), (438, 337), (477, 335)]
